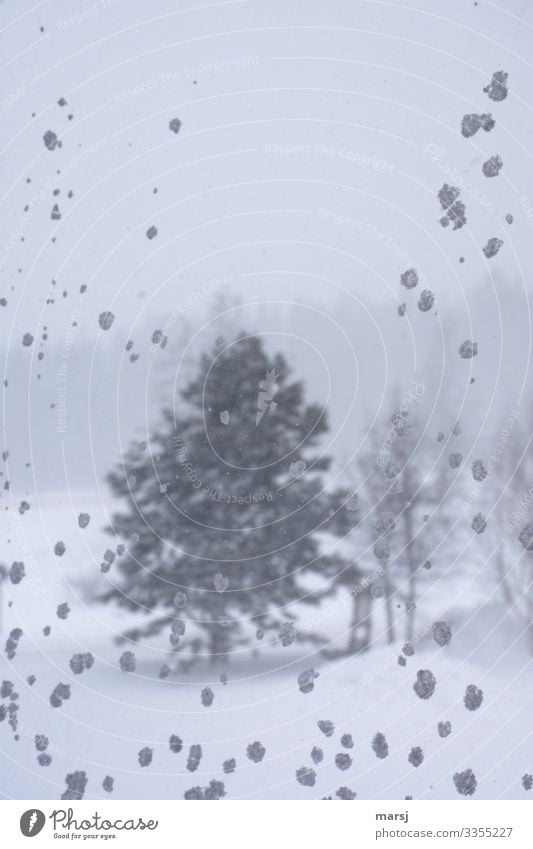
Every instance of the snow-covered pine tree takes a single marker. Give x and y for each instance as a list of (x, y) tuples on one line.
[(227, 509)]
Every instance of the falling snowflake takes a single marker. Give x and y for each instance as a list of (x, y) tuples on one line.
[(306, 776), (479, 470), (343, 761), (106, 319), (455, 209), (16, 572), (195, 756), (345, 793), (416, 756), (108, 784), (317, 755), (473, 697), (525, 537), (175, 744), (51, 140), (63, 610), (425, 684), (497, 88), (479, 523), (492, 247), (76, 783), (426, 300), (80, 662), (207, 697), (472, 123), (127, 661), (409, 278), (442, 633), (255, 752), (60, 693), (492, 167), (145, 756), (465, 782), (158, 338), (41, 742), (306, 680), (468, 350), (287, 634)]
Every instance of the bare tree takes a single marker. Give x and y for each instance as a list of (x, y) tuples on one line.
[(406, 503), (508, 541)]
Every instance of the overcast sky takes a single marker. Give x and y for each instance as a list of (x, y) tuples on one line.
[(302, 182)]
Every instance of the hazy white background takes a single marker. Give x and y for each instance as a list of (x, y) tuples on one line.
[(356, 95)]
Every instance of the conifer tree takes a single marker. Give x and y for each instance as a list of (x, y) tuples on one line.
[(227, 513)]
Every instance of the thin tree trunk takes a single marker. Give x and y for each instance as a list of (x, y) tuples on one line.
[(500, 566), (360, 630), (411, 580), (365, 608), (389, 610), (529, 608)]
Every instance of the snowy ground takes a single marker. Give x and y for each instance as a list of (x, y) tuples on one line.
[(111, 715)]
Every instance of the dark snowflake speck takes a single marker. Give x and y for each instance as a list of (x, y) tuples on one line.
[(145, 756), (442, 633), (479, 523), (76, 783), (343, 761), (108, 784), (380, 745), (127, 661), (426, 300), (195, 756), (306, 680), (255, 752), (416, 756), (425, 684), (306, 776), (106, 319), (473, 697), (497, 88), (492, 167), (465, 782), (492, 247), (207, 697), (409, 278)]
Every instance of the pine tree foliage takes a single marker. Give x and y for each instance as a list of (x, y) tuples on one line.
[(228, 522)]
